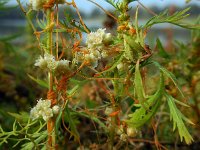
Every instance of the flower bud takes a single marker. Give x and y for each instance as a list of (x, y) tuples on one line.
[(131, 132), (120, 66), (107, 38), (120, 130), (108, 111), (56, 109)]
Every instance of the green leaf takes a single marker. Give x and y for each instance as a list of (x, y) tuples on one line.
[(164, 17), (40, 82), (42, 24), (142, 115), (22, 116), (181, 103), (169, 75), (94, 118), (162, 51), (73, 90), (177, 117), (58, 121), (115, 4), (139, 89), (33, 144), (72, 124)]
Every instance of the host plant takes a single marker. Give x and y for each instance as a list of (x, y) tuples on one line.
[(118, 64)]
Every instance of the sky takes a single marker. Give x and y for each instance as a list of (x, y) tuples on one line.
[(88, 6)]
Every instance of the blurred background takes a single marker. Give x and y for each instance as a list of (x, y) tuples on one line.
[(19, 48), (12, 20)]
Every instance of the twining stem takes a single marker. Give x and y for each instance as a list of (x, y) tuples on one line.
[(51, 122)]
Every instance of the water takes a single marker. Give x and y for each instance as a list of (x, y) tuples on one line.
[(9, 27)]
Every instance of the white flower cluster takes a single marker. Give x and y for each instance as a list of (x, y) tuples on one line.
[(43, 109), (38, 4), (49, 62), (95, 44)]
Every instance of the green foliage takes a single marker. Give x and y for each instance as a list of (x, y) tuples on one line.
[(72, 123), (178, 118), (162, 51), (30, 130), (117, 61), (115, 4), (143, 114), (85, 91), (42, 83), (139, 88), (175, 19), (169, 75)]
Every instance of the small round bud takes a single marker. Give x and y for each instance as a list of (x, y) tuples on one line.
[(120, 66), (120, 130), (56, 109), (131, 132), (108, 111), (108, 37)]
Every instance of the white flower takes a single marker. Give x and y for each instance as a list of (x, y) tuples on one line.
[(63, 64), (34, 113), (41, 62), (95, 43), (52, 65), (47, 114), (48, 62), (95, 39), (42, 109)]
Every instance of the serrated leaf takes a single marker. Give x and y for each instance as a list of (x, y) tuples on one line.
[(142, 115), (177, 117), (164, 17), (169, 75)]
